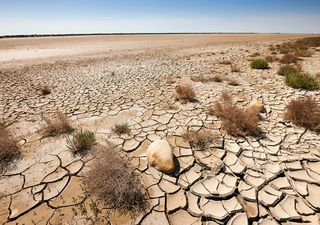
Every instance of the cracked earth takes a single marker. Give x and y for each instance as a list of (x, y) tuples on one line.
[(270, 180)]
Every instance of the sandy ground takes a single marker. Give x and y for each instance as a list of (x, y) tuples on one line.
[(273, 179), (20, 49)]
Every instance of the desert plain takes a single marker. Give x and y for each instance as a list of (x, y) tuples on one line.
[(101, 81)]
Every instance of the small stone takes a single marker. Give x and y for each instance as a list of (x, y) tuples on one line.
[(257, 105), (160, 156)]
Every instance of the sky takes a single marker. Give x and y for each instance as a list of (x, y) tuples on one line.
[(158, 16)]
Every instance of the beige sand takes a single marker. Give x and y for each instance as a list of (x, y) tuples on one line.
[(20, 49)]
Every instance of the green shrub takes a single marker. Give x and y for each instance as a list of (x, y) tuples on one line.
[(287, 69), (81, 142), (301, 80), (259, 64), (122, 128)]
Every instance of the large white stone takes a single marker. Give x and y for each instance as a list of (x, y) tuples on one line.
[(160, 156)]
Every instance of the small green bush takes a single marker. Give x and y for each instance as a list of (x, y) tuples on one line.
[(301, 80), (261, 64), (122, 128), (81, 142)]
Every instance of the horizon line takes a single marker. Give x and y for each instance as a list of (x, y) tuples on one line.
[(135, 33)]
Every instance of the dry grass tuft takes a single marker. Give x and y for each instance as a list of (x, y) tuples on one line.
[(9, 151), (122, 128), (217, 79), (289, 59), (199, 139), (45, 90), (170, 80), (236, 122), (81, 142), (234, 68), (304, 112), (185, 92), (272, 58), (57, 126), (201, 78), (112, 181), (225, 62), (233, 83)]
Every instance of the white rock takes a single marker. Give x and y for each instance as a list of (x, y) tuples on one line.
[(160, 156)]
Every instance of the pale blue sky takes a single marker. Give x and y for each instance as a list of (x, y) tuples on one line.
[(114, 16)]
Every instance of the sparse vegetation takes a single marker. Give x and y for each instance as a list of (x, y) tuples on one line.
[(288, 69), (260, 64), (233, 83), (199, 139), (302, 80), (225, 62), (45, 90), (185, 92), (122, 128), (289, 59), (201, 78), (272, 58), (81, 142), (300, 48), (170, 80), (57, 126), (234, 68), (304, 112), (236, 121), (9, 151), (112, 181), (217, 79)]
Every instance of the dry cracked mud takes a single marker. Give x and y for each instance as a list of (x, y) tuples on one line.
[(274, 179)]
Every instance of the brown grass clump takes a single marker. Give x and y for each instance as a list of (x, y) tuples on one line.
[(236, 121), (57, 126), (170, 80), (217, 79), (304, 112), (122, 128), (202, 79), (185, 92), (300, 48), (198, 139), (225, 62), (272, 58), (112, 181), (233, 83), (234, 68), (45, 90), (289, 59), (9, 151)]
